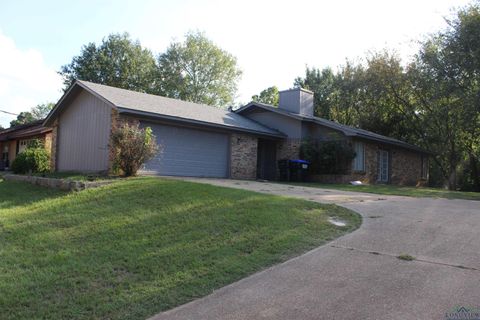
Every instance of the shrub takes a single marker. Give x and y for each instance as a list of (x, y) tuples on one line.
[(33, 160), (132, 147), (327, 157)]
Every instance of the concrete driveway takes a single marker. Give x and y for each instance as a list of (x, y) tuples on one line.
[(359, 275)]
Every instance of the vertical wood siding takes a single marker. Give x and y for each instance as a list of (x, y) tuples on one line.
[(83, 135)]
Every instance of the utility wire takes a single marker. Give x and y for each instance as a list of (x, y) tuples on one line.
[(13, 114)]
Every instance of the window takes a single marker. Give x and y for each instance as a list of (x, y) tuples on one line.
[(424, 167), (383, 163), (359, 160), (22, 145)]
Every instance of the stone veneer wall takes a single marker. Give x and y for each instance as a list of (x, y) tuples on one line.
[(243, 156), (63, 184)]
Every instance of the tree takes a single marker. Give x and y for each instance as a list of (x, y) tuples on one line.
[(41, 111), (38, 112), (269, 96), (132, 147), (23, 118), (433, 101), (322, 84), (359, 94), (448, 91), (198, 71), (118, 61)]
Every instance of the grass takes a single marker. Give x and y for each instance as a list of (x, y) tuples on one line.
[(406, 257), (140, 246), (398, 190)]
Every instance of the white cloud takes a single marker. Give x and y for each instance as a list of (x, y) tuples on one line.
[(25, 79)]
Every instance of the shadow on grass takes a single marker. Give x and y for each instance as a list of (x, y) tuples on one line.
[(13, 193)]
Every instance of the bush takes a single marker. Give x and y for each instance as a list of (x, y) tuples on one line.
[(133, 146), (33, 160), (327, 157)]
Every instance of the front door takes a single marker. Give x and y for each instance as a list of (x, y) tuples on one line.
[(266, 159), (383, 166), (5, 156)]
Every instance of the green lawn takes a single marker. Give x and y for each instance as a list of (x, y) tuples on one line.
[(398, 190), (139, 246)]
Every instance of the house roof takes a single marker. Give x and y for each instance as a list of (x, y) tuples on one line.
[(346, 130), (138, 103), (24, 130)]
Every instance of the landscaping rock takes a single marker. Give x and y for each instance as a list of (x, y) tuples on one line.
[(62, 184)]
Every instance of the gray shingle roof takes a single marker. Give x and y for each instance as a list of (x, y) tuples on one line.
[(173, 109), (346, 130)]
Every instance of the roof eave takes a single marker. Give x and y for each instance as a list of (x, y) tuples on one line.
[(400, 144), (269, 108)]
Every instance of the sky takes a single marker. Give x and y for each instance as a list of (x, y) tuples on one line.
[(273, 40)]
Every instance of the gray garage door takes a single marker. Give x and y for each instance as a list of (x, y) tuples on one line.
[(188, 152)]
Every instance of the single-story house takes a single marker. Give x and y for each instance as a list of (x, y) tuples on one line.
[(16, 139), (379, 159), (200, 140)]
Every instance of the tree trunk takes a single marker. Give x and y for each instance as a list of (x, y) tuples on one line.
[(452, 177), (474, 172)]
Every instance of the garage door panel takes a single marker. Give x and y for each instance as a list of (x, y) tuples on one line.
[(188, 152)]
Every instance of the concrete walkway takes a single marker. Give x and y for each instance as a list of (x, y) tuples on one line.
[(358, 276)]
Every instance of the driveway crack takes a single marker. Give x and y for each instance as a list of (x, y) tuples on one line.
[(416, 259)]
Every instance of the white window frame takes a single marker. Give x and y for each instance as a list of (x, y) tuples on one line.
[(359, 166), (23, 144), (383, 155)]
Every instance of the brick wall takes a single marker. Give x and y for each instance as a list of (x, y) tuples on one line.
[(288, 149), (47, 140), (53, 145), (243, 156), (405, 167), (369, 176)]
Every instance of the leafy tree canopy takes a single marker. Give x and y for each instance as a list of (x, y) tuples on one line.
[(433, 101), (322, 83), (199, 71), (268, 96), (118, 61), (38, 112), (41, 111)]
